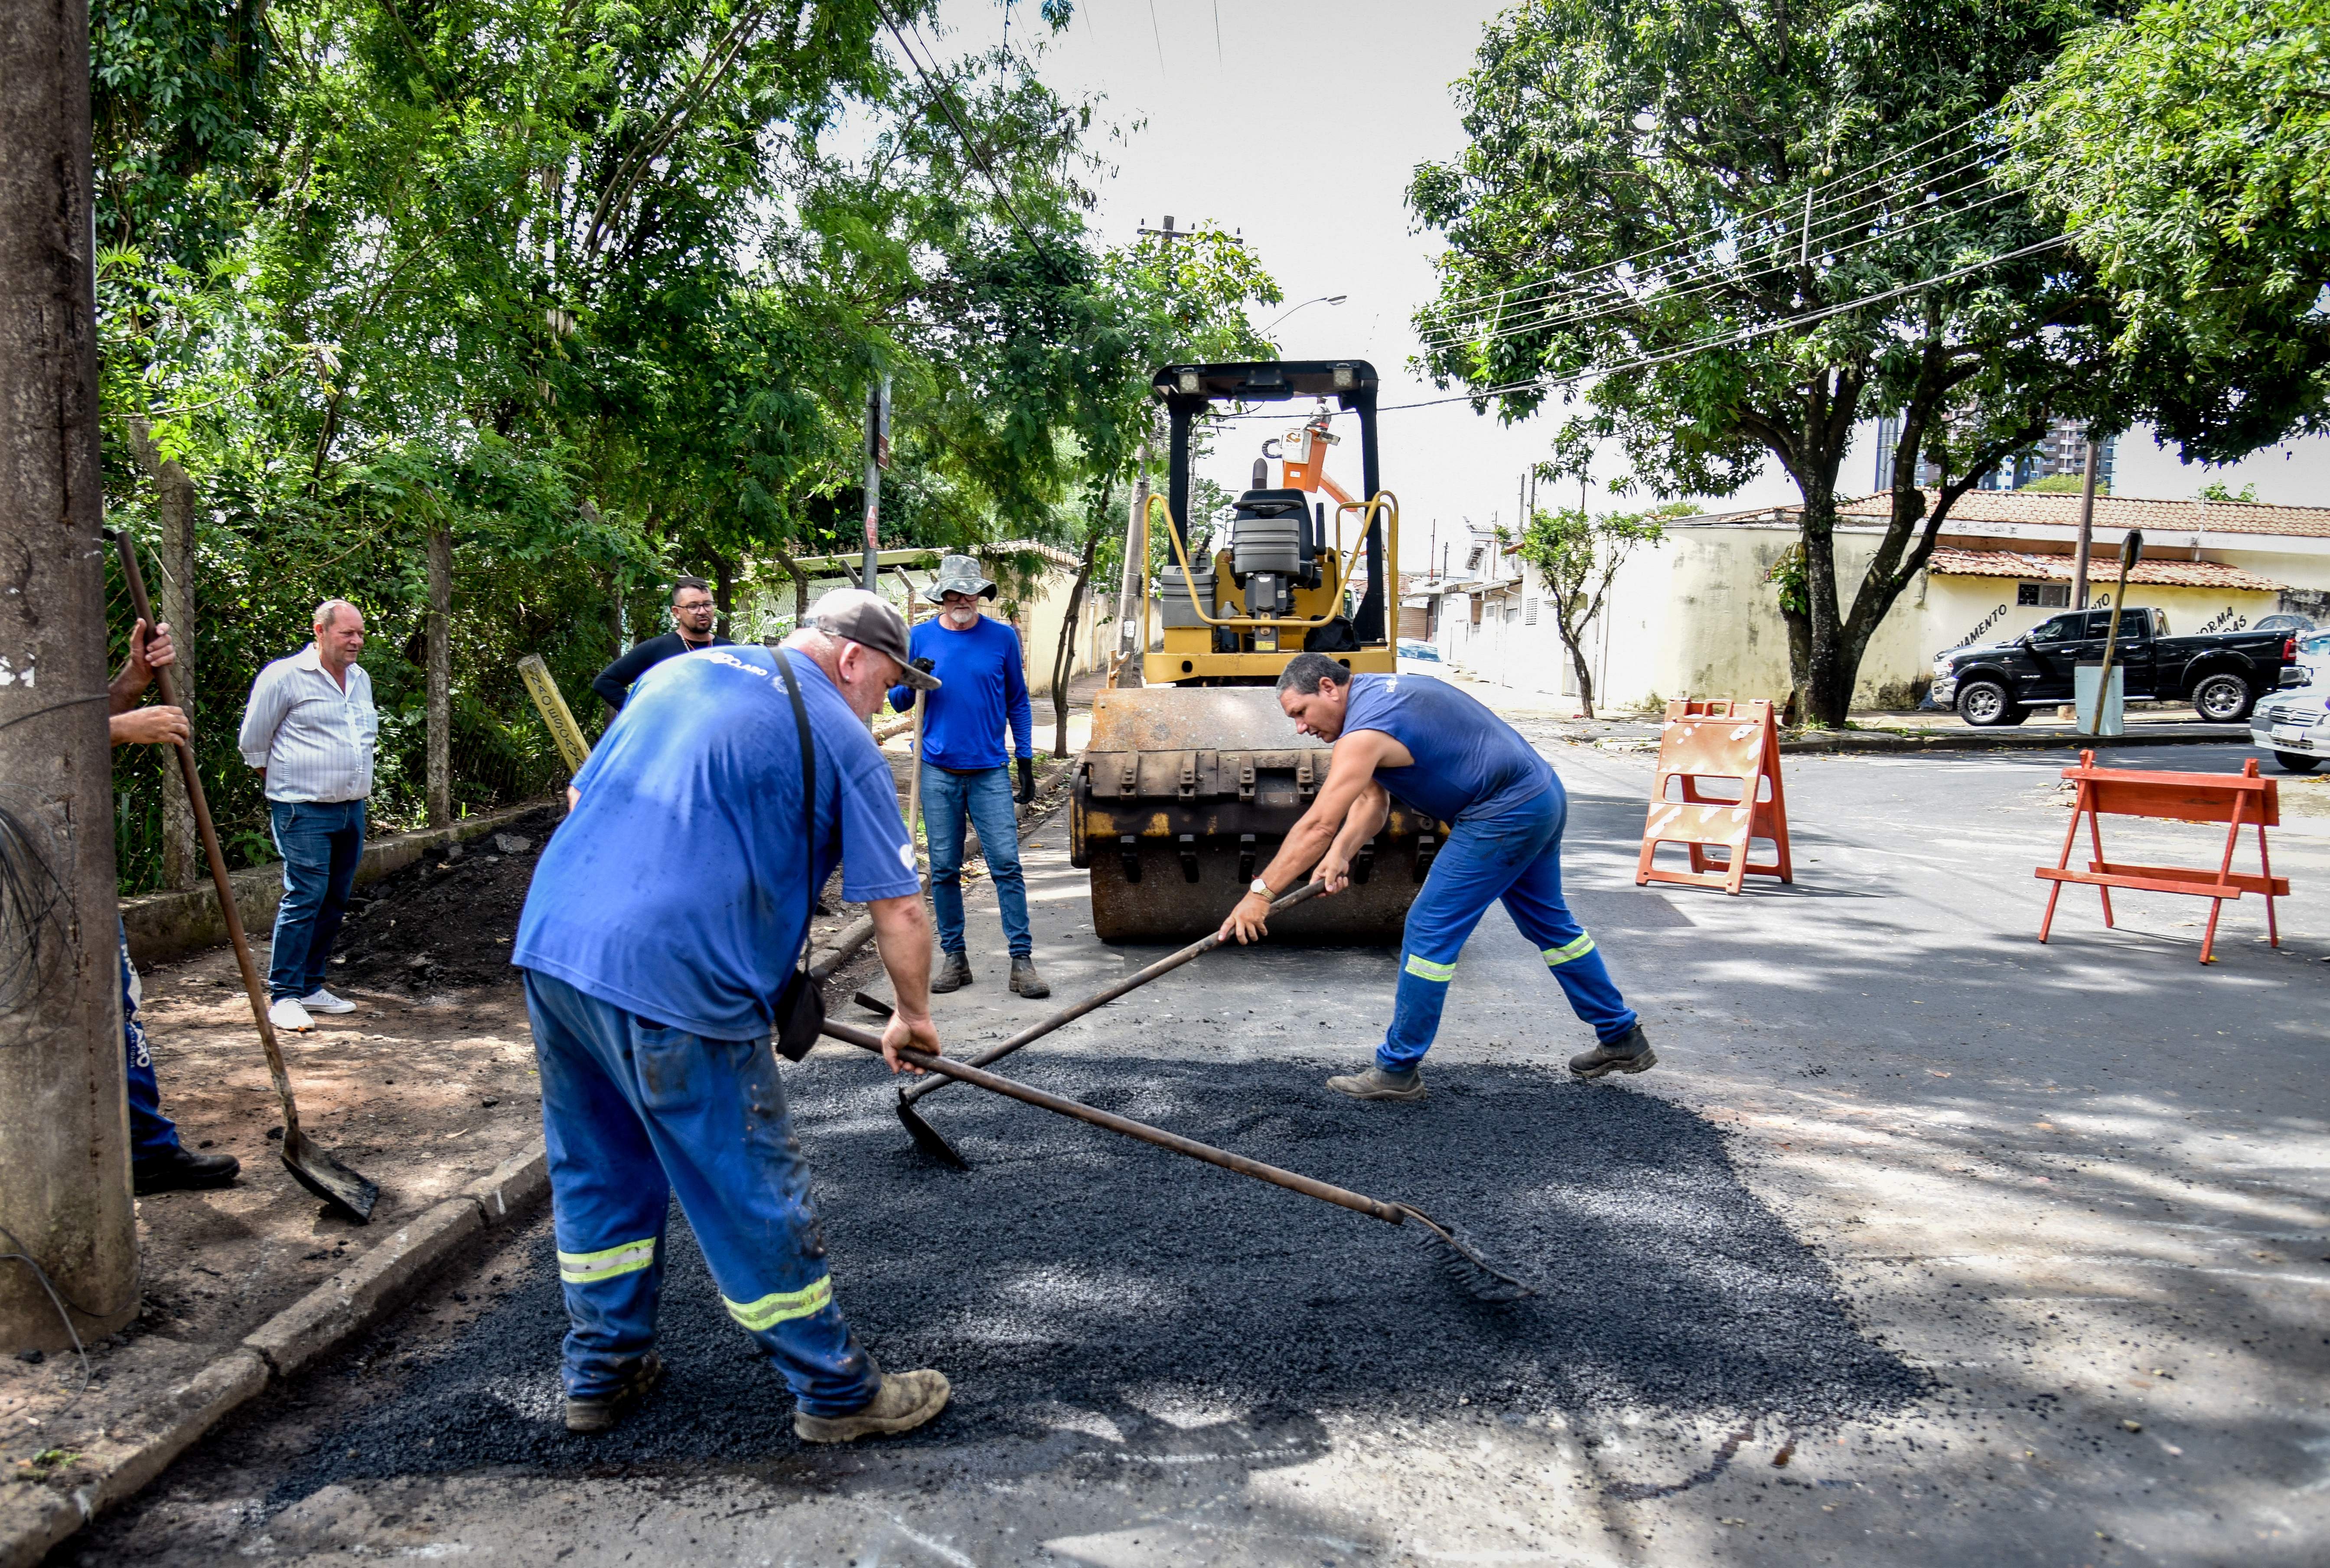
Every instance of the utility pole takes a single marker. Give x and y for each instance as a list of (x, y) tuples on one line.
[(1132, 608), (64, 1117), (877, 458), (2087, 530)]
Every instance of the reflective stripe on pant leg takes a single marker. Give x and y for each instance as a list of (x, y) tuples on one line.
[(1471, 870), (609, 1201), (584, 1268), (1535, 902), (781, 1305)]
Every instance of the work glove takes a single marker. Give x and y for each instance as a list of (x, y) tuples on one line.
[(1027, 780)]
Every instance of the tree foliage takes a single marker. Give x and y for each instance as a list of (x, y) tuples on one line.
[(1579, 556)]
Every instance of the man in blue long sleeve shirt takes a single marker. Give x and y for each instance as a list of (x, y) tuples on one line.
[(984, 681)]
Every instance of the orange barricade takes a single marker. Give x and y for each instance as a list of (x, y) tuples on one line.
[(1710, 740), (2238, 800)]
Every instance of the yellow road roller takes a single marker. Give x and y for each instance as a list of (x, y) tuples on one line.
[(1191, 779)]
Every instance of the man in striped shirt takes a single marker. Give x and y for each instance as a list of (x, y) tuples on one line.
[(310, 730)]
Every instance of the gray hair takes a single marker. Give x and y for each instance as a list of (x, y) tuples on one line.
[(1304, 672), (328, 611)]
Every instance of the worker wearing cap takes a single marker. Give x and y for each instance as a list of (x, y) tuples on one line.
[(653, 998), (963, 776), (1444, 754)]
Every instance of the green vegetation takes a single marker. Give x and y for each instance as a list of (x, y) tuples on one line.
[(1579, 556)]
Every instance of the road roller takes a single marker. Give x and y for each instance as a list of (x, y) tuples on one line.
[(1191, 779)]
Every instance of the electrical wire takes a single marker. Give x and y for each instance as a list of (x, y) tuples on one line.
[(1749, 218), (1836, 224), (57, 1299), (1710, 284)]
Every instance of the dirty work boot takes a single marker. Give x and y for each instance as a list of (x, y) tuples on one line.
[(954, 972), (1375, 1084), (1632, 1054), (904, 1402), (180, 1170), (1024, 978), (599, 1413)]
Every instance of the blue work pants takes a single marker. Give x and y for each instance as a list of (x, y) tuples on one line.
[(633, 1112), (151, 1134), (984, 798), (321, 843), (1516, 858)]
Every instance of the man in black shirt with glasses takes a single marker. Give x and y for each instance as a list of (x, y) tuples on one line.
[(691, 622)]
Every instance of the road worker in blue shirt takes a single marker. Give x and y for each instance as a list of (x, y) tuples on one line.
[(1444, 754), (653, 996)]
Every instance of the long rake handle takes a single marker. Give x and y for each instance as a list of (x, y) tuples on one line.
[(251, 985), (1309, 1187), (1134, 982)]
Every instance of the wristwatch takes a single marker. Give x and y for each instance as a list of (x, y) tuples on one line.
[(1258, 887)]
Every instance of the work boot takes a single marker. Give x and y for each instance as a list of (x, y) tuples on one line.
[(181, 1170), (1375, 1084), (599, 1413), (1632, 1054), (904, 1401), (1024, 978), (954, 972)]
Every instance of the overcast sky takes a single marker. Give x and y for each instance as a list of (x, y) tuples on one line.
[(1299, 126)]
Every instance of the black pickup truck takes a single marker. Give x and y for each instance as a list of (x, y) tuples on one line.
[(2221, 673)]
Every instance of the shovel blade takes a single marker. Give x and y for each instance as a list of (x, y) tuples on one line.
[(346, 1191), (927, 1138)]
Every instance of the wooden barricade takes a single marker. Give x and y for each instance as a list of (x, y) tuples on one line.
[(2237, 799), (1702, 740)]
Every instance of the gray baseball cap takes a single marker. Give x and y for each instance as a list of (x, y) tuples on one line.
[(869, 618)]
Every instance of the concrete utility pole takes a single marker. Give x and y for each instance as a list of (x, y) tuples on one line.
[(1131, 611), (440, 678), (64, 1120), (2087, 531)]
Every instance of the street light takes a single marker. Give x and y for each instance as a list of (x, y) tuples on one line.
[(1321, 299)]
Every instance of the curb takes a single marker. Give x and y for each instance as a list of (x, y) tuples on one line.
[(1988, 740), (34, 1519)]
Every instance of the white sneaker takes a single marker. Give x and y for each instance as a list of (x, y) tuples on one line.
[(285, 1012), (322, 1000)]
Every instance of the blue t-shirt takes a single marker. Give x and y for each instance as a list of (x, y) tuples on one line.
[(1470, 765), (982, 680), (679, 888)]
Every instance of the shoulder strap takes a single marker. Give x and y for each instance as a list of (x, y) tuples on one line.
[(808, 795)]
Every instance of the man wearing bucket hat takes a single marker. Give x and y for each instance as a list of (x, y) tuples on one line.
[(984, 682)]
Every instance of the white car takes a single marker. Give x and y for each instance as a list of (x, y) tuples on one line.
[(2295, 725), (1417, 657)]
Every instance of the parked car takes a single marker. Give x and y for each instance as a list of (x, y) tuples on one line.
[(2313, 666), (2284, 622), (1417, 657), (2295, 725), (2221, 673)]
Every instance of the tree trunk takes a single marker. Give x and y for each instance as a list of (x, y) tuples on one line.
[(801, 582), (440, 678), (724, 592), (63, 1128), (1064, 661), (1825, 687), (175, 504), (1585, 670)]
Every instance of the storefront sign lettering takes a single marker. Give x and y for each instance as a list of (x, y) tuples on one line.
[(1984, 624)]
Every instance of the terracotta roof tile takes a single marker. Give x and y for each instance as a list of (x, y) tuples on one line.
[(2104, 568), (2061, 508)]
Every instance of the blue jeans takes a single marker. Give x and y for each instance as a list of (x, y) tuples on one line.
[(985, 798), (633, 1112), (1516, 859), (151, 1134), (320, 844)]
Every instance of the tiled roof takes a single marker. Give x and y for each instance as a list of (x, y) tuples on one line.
[(2061, 508), (2103, 569)]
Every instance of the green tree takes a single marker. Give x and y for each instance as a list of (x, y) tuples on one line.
[(1579, 556), (2187, 149), (1730, 235)]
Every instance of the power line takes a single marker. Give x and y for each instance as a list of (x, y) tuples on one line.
[(1686, 289), (1830, 228), (1747, 335), (939, 100), (1503, 296)]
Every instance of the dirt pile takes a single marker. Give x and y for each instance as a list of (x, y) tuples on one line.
[(448, 921)]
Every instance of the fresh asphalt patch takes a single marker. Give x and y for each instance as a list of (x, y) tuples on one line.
[(1072, 1270)]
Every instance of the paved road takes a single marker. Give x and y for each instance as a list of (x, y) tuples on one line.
[(2078, 1195)]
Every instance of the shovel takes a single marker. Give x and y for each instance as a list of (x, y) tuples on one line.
[(310, 1166), (927, 1137)]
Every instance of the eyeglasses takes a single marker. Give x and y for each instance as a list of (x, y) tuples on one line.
[(693, 605)]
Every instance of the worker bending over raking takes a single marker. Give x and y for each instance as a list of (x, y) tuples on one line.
[(1448, 757), (661, 944)]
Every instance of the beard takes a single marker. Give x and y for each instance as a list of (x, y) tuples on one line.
[(962, 619)]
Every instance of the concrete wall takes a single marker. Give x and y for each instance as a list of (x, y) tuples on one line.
[(163, 926)]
